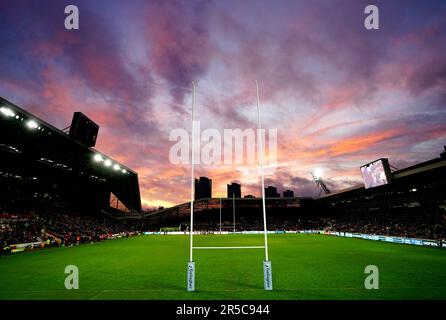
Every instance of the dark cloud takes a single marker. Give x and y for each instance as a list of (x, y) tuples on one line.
[(180, 45)]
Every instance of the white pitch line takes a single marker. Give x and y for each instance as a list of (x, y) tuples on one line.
[(204, 248)]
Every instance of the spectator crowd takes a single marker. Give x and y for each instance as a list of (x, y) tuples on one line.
[(400, 223), (66, 229), (60, 230)]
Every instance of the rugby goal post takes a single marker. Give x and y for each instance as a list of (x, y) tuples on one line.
[(267, 271)]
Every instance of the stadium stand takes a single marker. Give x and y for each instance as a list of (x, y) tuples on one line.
[(412, 205), (60, 230), (54, 182), (43, 168)]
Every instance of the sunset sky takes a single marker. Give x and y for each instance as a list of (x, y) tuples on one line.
[(339, 95)]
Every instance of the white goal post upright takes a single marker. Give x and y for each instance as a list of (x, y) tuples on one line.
[(220, 215), (191, 264), (233, 211), (267, 272)]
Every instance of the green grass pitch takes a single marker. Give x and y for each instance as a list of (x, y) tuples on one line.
[(154, 267)]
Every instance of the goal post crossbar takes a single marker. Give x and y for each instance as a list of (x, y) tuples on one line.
[(211, 248)]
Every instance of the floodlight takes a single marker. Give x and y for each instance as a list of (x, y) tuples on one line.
[(124, 171), (107, 163), (317, 173), (32, 124), (98, 158), (116, 167), (7, 112)]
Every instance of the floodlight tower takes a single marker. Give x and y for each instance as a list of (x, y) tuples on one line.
[(317, 177)]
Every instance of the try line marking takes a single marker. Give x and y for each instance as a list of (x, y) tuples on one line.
[(205, 248)]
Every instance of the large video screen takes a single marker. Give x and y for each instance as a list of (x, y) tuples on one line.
[(376, 173)]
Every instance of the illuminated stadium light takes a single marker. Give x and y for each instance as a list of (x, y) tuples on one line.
[(32, 124), (9, 148), (98, 158), (116, 167), (107, 163), (124, 171), (7, 112), (317, 173)]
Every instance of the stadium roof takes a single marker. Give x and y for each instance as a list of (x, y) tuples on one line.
[(27, 140), (183, 210)]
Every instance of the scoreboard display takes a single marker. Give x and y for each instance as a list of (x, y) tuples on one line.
[(83, 130), (376, 173)]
